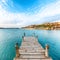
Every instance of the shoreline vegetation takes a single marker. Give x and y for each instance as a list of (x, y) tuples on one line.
[(45, 26)]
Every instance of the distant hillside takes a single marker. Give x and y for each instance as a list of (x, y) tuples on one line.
[(46, 26)]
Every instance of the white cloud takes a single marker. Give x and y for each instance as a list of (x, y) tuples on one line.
[(23, 19), (51, 10)]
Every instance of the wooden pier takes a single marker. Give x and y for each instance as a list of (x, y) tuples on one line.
[(31, 50)]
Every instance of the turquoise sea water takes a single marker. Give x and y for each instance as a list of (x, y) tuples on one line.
[(9, 37)]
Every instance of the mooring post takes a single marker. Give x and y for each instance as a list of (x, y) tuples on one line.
[(22, 37), (17, 50), (33, 34), (24, 34), (46, 50), (37, 36)]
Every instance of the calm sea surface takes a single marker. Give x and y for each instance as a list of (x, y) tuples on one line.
[(9, 37)]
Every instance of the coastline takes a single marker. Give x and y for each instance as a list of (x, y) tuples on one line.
[(39, 29)]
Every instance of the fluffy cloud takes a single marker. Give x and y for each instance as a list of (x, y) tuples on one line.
[(22, 19), (51, 10)]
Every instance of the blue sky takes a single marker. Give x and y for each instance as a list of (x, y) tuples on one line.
[(27, 12)]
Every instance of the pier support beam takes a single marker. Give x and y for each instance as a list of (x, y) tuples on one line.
[(46, 50), (17, 50)]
